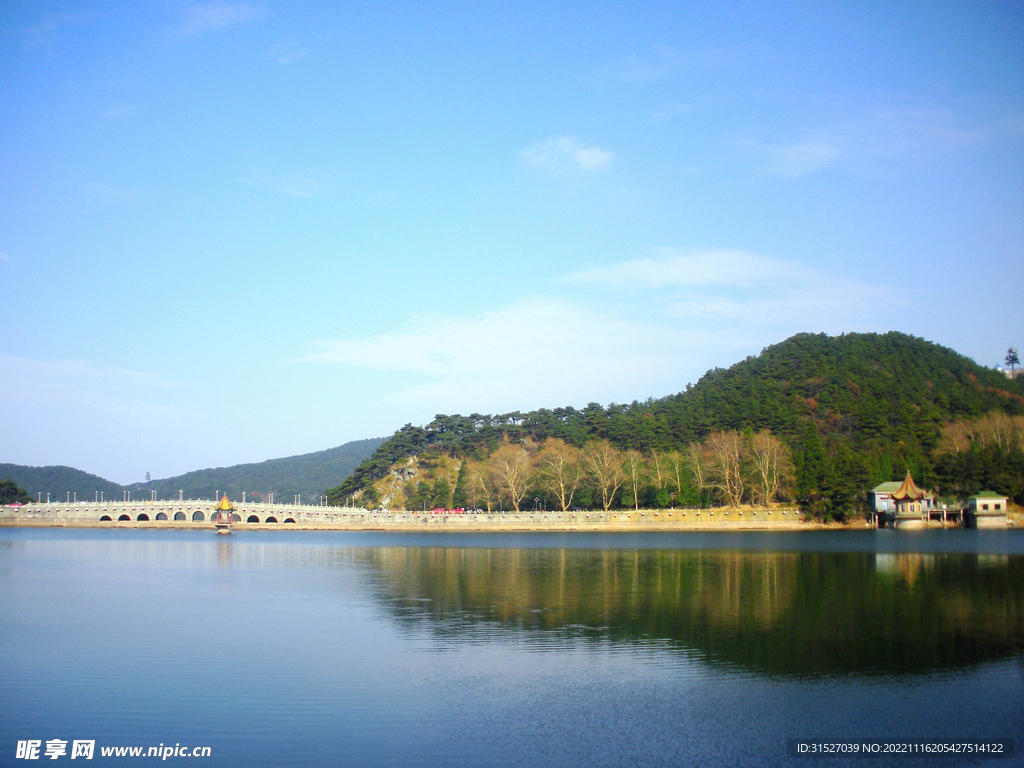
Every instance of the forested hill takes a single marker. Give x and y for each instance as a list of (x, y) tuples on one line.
[(855, 410), (869, 387), (308, 474), (58, 481)]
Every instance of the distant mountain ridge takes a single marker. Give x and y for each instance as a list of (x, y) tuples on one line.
[(58, 480), (306, 474)]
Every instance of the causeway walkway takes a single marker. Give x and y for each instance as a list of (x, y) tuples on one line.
[(197, 514)]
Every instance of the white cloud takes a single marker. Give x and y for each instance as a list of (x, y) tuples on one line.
[(794, 160), (213, 17), (897, 131), (660, 63), (57, 383), (109, 193), (118, 112), (113, 421), (48, 27), (632, 329), (673, 267), (561, 153), (294, 186), (877, 134), (735, 287), (284, 54), (534, 352)]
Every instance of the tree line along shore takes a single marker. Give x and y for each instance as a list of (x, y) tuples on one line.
[(815, 420)]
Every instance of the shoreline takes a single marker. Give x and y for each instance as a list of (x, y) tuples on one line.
[(450, 527), (197, 514)]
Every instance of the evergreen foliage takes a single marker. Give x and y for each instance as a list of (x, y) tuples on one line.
[(855, 410), (10, 493), (58, 480)]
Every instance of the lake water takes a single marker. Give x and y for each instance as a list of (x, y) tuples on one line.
[(298, 648)]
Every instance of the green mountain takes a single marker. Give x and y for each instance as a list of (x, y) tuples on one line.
[(855, 410), (307, 474), (58, 481)]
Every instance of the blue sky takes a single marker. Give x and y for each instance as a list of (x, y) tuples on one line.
[(234, 231)]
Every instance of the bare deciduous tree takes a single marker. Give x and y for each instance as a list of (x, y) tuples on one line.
[(634, 461), (604, 465), (996, 428), (479, 485), (725, 465), (559, 466), (510, 468), (956, 437), (772, 466), (696, 460)]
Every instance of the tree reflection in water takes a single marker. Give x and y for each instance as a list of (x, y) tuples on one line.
[(766, 612)]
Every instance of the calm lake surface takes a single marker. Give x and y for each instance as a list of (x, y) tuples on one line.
[(329, 648)]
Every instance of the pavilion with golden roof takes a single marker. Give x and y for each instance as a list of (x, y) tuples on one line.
[(902, 504), (224, 515)]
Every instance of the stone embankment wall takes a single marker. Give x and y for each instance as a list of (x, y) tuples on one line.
[(193, 514)]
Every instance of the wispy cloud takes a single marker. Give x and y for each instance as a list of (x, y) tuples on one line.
[(562, 153), (661, 62), (538, 351), (212, 17), (48, 27), (80, 384), (886, 134), (117, 112), (794, 160), (108, 193), (674, 268), (633, 328), (79, 400), (5, 256), (284, 54), (293, 186), (737, 289)]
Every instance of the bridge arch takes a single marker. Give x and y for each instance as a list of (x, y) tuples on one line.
[(289, 520), (179, 515), (160, 516), (235, 517), (252, 519), (198, 517), (271, 519), (142, 518), (124, 518), (105, 519)]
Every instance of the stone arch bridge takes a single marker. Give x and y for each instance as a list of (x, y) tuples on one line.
[(176, 513)]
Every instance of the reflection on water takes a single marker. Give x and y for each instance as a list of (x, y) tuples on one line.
[(311, 649), (779, 613)]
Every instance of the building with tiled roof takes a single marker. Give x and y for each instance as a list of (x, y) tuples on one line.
[(886, 496), (988, 509)]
